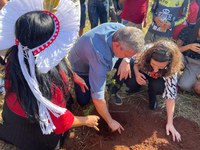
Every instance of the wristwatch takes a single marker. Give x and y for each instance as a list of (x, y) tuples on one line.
[(126, 60)]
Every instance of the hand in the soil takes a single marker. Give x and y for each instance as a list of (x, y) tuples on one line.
[(92, 121), (116, 126), (174, 132)]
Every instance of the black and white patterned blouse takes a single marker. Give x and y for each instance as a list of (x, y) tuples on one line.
[(170, 91)]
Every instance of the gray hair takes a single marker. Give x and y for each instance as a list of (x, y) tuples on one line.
[(130, 37)]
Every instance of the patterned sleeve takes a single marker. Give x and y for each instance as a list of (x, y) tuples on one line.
[(170, 91), (184, 15)]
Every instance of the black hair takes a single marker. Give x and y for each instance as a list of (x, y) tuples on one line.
[(33, 29)]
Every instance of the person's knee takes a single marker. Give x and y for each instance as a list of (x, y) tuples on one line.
[(132, 85), (83, 100), (186, 86), (197, 87), (157, 88)]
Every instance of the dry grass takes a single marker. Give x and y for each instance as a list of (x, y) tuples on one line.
[(187, 106)]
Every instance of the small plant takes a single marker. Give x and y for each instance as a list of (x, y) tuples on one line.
[(89, 110), (111, 85)]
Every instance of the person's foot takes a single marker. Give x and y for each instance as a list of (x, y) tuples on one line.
[(153, 104), (116, 99)]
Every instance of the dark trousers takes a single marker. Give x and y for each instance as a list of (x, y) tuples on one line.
[(98, 10), (155, 86), (83, 98)]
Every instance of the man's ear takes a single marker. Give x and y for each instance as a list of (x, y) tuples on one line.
[(116, 44)]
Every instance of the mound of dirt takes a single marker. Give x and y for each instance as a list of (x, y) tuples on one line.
[(144, 130)]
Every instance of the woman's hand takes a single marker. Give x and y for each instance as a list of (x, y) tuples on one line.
[(92, 121), (194, 47), (140, 78), (174, 132), (78, 80)]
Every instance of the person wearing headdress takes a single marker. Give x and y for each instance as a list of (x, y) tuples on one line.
[(38, 35)]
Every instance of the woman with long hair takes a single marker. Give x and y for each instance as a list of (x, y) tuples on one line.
[(159, 65), (37, 76)]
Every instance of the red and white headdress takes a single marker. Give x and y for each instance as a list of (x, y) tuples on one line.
[(46, 56)]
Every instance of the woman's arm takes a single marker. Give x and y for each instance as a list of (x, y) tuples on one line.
[(68, 120), (170, 94), (170, 106), (90, 121)]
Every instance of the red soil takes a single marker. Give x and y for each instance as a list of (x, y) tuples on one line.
[(144, 130)]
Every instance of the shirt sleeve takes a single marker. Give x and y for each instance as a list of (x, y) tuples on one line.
[(153, 9), (97, 78), (62, 123), (193, 13), (184, 15), (183, 35), (170, 91), (65, 121)]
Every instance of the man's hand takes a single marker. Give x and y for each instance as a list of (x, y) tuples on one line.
[(102, 109), (78, 80), (175, 134), (124, 70), (115, 126), (140, 78)]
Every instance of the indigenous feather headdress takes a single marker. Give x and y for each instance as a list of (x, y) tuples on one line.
[(65, 14)]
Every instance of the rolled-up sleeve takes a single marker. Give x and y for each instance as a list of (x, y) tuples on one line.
[(97, 79)]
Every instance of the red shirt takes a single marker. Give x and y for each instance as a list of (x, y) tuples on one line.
[(134, 11), (62, 123)]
